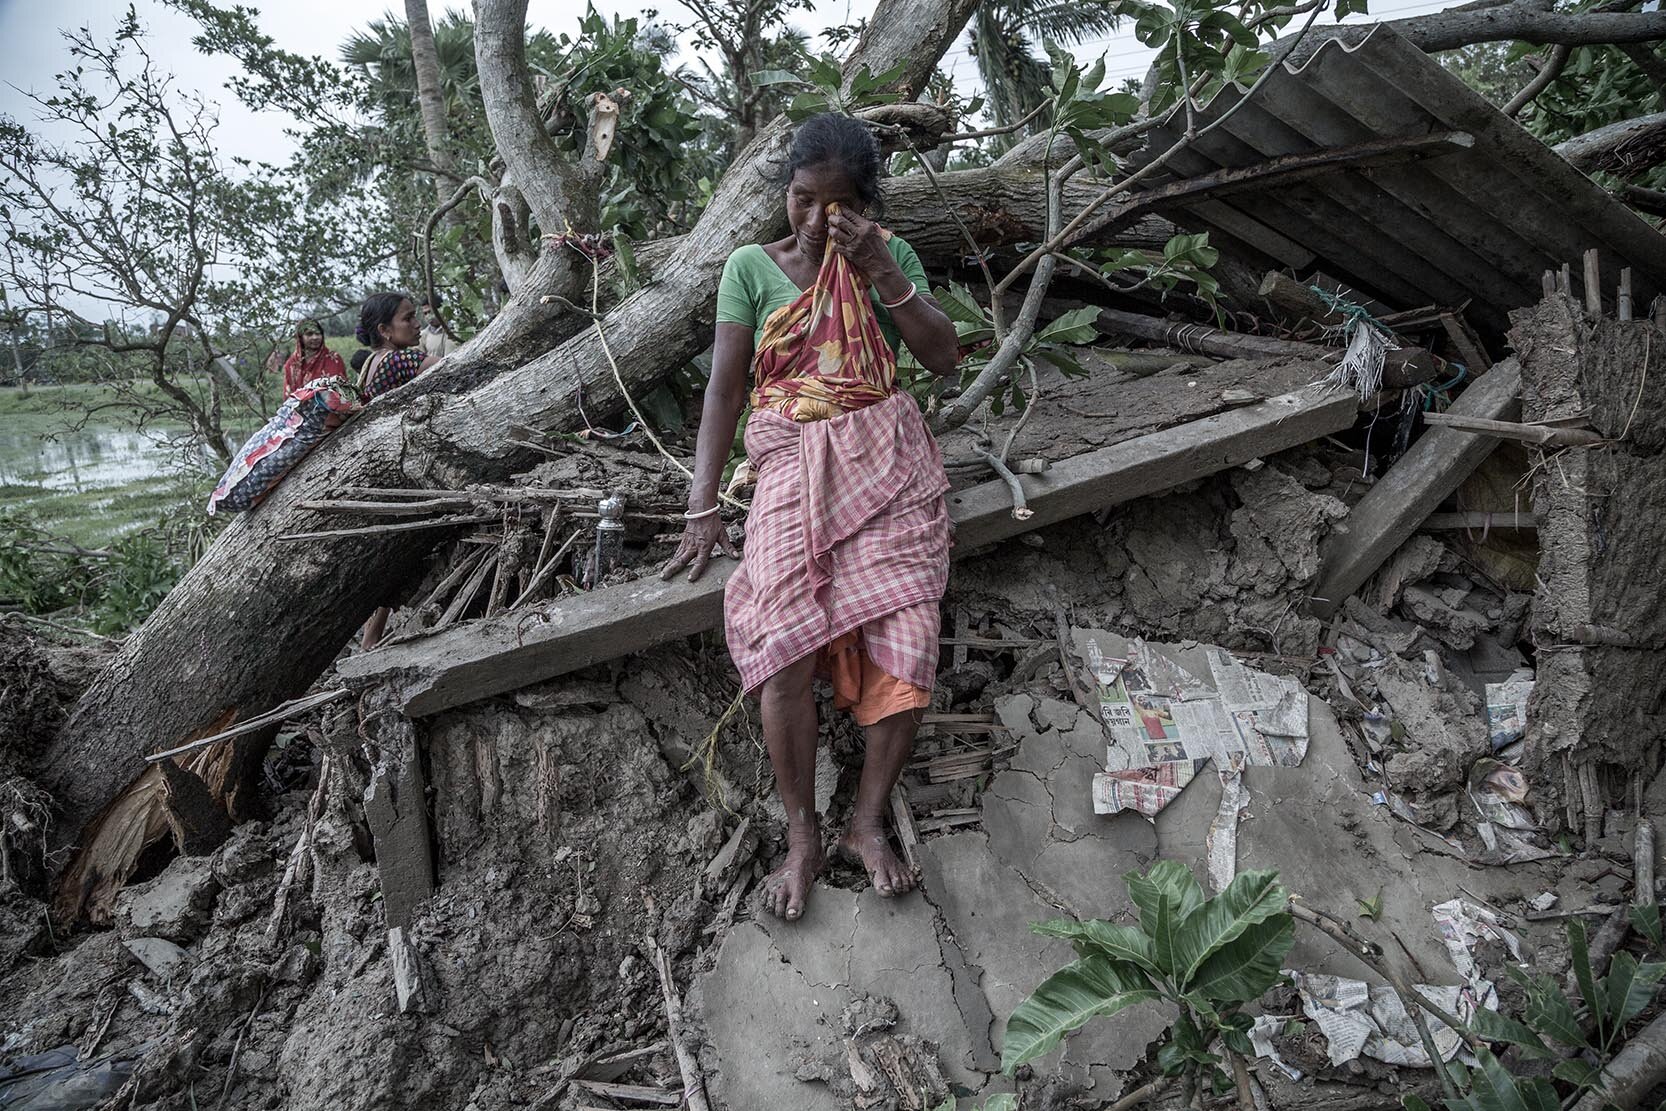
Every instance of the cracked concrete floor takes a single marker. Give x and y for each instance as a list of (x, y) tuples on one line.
[(958, 956)]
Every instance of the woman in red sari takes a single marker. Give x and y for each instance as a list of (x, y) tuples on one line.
[(310, 360), (847, 545)]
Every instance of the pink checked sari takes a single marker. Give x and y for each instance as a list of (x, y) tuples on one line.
[(848, 531)]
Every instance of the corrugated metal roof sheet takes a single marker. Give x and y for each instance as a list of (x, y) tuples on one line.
[(1478, 224)]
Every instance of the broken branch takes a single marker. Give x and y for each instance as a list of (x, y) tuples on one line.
[(259, 721)]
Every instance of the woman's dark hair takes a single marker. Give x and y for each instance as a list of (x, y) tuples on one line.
[(843, 141), (359, 357), (301, 328), (378, 309)]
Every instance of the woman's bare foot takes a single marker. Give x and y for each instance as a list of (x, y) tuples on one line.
[(787, 889), (866, 841)]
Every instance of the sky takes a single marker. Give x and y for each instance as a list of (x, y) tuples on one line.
[(31, 49)]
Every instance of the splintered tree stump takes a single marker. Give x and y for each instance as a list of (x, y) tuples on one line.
[(396, 806)]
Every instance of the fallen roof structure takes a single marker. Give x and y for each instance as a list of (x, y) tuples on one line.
[(1476, 222)]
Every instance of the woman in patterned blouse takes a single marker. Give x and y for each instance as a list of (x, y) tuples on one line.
[(388, 325)]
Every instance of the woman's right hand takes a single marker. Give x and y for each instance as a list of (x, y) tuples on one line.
[(700, 536)]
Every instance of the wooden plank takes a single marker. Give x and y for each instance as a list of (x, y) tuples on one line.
[(396, 809), (1413, 487), (484, 658)]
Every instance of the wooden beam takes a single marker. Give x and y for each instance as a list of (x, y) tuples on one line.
[(1412, 488), (480, 659), (1543, 435), (1404, 366)]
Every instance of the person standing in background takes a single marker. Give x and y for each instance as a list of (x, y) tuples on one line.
[(435, 341), (310, 360)]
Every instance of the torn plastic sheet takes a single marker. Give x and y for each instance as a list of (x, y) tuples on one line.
[(1166, 721)]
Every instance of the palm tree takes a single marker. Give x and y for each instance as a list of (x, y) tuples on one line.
[(1004, 34), (425, 67)]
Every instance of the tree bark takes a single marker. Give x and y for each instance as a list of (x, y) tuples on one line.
[(1625, 148), (425, 61), (546, 179), (257, 619), (1522, 21)]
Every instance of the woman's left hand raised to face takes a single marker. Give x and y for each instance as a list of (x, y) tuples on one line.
[(858, 239)]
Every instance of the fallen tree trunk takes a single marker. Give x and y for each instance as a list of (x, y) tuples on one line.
[(253, 623)]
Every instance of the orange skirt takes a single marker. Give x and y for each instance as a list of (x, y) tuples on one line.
[(860, 686)]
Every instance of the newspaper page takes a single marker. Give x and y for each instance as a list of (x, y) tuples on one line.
[(1507, 708), (1165, 721)]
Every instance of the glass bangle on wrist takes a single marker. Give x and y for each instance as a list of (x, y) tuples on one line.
[(691, 515), (913, 292)]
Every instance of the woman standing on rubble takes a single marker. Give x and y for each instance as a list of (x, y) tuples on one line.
[(847, 549)]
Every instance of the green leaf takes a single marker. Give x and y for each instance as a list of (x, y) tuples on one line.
[(890, 76), (776, 77), (1124, 260), (1576, 1072), (959, 305), (1495, 1027), (1095, 77), (1081, 990), (1551, 1013), (1118, 943), (825, 72), (1581, 953), (1629, 987), (1246, 967), (1646, 921), (1237, 1041), (1062, 359), (805, 105), (1075, 326), (1412, 1102), (1171, 1059), (1250, 898), (1496, 1090), (1164, 881)]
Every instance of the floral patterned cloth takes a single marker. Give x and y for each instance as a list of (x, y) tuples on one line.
[(389, 369), (307, 415), (298, 369), (823, 354)]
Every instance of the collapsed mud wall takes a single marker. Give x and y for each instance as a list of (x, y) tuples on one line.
[(573, 817), (1599, 613)]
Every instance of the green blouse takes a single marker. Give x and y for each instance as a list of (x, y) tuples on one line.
[(754, 286)]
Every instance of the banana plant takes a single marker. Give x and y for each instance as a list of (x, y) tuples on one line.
[(1205, 956)]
